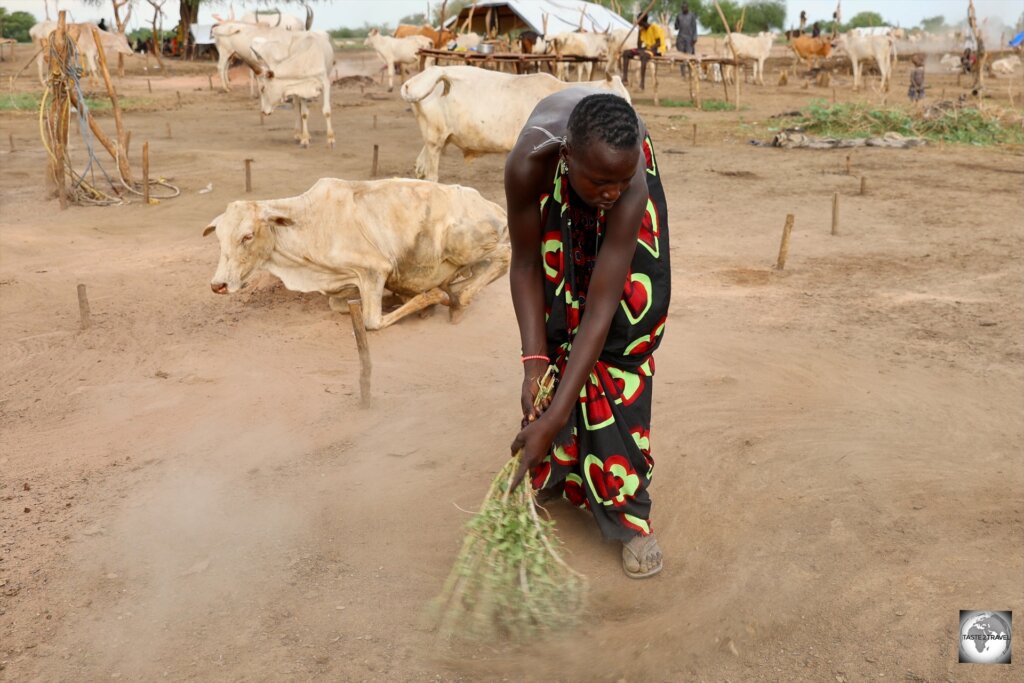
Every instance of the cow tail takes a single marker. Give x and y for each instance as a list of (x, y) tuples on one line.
[(420, 87)]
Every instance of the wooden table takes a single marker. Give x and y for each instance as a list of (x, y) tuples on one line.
[(518, 59), (694, 62)]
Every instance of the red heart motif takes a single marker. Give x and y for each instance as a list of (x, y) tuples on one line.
[(636, 297)]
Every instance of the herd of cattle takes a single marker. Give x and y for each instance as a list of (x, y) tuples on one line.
[(424, 242)]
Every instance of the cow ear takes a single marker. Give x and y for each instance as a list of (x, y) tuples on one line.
[(209, 229), (281, 221), (270, 74)]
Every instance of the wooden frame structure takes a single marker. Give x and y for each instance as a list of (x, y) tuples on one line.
[(518, 59)]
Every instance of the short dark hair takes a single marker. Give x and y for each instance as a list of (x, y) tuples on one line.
[(604, 117)]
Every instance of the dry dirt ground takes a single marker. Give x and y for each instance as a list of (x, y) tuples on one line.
[(189, 490)]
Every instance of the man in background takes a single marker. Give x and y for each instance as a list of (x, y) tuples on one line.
[(686, 35), (650, 42)]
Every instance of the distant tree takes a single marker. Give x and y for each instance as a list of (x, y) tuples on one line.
[(764, 15), (414, 19), (708, 17), (934, 24), (1020, 23), (16, 25), (865, 20)]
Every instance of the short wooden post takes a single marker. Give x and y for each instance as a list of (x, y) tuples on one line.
[(725, 81), (261, 117), (863, 185), (835, 213), (355, 310), (178, 93), (784, 244), (847, 164), (376, 153), (654, 75), (209, 80), (169, 131), (375, 122), (248, 175), (145, 172), (695, 135), (10, 136), (149, 84), (83, 308)]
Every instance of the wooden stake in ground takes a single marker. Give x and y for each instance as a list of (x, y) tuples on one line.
[(145, 172), (248, 175), (149, 84), (375, 122), (209, 80), (83, 308), (373, 168), (847, 164), (169, 131), (784, 244), (178, 92), (695, 135), (355, 310), (863, 185), (10, 136), (835, 213)]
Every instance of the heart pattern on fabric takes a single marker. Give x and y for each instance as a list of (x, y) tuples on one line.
[(636, 297)]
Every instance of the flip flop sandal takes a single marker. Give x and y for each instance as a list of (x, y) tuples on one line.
[(633, 554)]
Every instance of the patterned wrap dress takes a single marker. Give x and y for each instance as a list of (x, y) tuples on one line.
[(603, 454)]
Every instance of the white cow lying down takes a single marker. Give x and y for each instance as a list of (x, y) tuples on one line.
[(425, 242), (477, 110)]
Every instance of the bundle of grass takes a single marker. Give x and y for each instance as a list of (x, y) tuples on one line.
[(509, 580)]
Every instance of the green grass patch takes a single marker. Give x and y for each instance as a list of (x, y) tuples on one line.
[(718, 105), (27, 101), (959, 125)]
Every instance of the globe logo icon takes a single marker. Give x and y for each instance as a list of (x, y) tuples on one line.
[(985, 637)]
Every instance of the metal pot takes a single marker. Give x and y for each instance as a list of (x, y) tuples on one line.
[(485, 48)]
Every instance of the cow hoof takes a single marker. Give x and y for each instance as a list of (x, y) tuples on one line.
[(304, 144), (426, 312), (330, 143), (455, 313)]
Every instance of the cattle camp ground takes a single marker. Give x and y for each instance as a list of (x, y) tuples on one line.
[(191, 487)]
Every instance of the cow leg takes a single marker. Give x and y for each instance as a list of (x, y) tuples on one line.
[(429, 161), (339, 300), (856, 74), (304, 120), (478, 276), (371, 292), (760, 71), (222, 69), (327, 111), (391, 76)]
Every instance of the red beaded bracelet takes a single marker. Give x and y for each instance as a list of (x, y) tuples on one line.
[(526, 358)]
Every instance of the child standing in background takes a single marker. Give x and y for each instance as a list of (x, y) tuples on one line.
[(916, 91)]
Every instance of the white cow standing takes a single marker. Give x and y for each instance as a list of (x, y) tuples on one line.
[(277, 19), (295, 65), (881, 48), (757, 48), (591, 45), (425, 242), (397, 51), (477, 110), (81, 33)]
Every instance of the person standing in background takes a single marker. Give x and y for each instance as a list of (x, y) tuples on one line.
[(686, 34)]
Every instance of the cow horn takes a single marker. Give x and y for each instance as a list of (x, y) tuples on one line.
[(309, 17), (278, 19), (255, 66), (209, 229)]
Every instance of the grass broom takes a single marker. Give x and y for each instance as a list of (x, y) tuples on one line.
[(509, 579)]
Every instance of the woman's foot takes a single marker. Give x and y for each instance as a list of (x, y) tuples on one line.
[(641, 557)]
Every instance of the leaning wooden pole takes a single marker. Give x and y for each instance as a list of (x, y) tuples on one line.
[(735, 55), (122, 140), (60, 110), (355, 310)]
